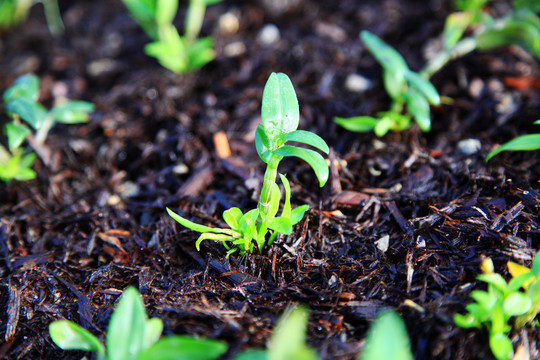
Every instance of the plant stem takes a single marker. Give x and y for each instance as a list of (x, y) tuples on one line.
[(269, 180), (194, 19), (462, 48), (43, 131), (4, 156), (54, 19)]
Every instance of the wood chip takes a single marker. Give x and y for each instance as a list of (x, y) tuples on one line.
[(221, 143)]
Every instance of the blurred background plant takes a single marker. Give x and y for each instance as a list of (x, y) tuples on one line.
[(15, 12)]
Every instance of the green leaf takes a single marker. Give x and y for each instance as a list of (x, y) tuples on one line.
[(484, 299), (306, 137), (516, 303), (378, 347), (184, 348), (494, 279), (313, 158), (394, 83), (514, 32), (275, 198), (252, 355), (385, 124), (454, 27), (298, 214), (199, 228), (521, 143), (30, 111), (69, 336), (250, 216), (262, 144), (288, 340), (357, 123), (126, 332), (286, 212), (280, 112), (199, 53), (165, 12), (18, 168), (535, 268), (466, 321), (214, 237), (419, 108), (501, 346), (16, 134), (386, 55), (232, 217), (144, 13), (72, 112), (537, 122), (170, 50), (424, 87), (26, 86), (518, 281), (280, 224), (153, 330)]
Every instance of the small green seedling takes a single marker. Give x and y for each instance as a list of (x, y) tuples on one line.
[(503, 301), (180, 54), (288, 340), (387, 339), (260, 226), (408, 89), (132, 336), (412, 92), (14, 12), (521, 143), (28, 114)]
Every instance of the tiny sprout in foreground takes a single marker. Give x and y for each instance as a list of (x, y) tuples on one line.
[(133, 336), (260, 226)]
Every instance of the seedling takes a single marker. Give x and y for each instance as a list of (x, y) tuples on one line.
[(503, 301), (179, 54), (288, 340), (260, 226), (387, 339), (412, 92), (132, 336), (521, 143), (14, 12), (28, 114)]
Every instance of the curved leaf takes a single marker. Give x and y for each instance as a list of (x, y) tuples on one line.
[(72, 112), (30, 111), (501, 346), (394, 83), (313, 158), (275, 197), (213, 237), (288, 340), (153, 330), (280, 224), (70, 336), (200, 228), (16, 134), (388, 325), (298, 214), (306, 137), (26, 86), (521, 143), (262, 144), (386, 55), (516, 303), (280, 112), (357, 123), (424, 86), (232, 217), (184, 348), (419, 108), (286, 212)]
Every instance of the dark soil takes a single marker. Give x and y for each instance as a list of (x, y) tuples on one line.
[(94, 221)]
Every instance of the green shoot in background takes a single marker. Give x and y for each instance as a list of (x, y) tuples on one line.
[(180, 54), (28, 114), (132, 336), (387, 339), (502, 302), (288, 340), (527, 142), (411, 92), (260, 226), (14, 12)]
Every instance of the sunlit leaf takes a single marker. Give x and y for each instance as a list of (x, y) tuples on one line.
[(30, 111), (454, 27), (70, 336), (313, 158), (16, 134), (280, 224), (419, 108), (286, 212), (165, 11), (501, 346), (152, 333), (72, 112), (288, 340), (262, 144), (232, 217), (280, 112), (298, 214), (306, 137), (275, 198), (466, 321), (516, 303)]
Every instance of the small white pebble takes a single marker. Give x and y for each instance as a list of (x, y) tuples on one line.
[(229, 23), (269, 35), (476, 87), (382, 243), (469, 146), (357, 83), (234, 49)]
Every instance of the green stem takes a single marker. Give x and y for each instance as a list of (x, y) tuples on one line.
[(462, 48), (4, 156), (194, 19), (269, 179), (43, 131)]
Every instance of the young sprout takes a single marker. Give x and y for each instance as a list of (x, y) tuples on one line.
[(28, 114), (260, 226), (503, 301), (527, 142), (132, 336), (180, 54)]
